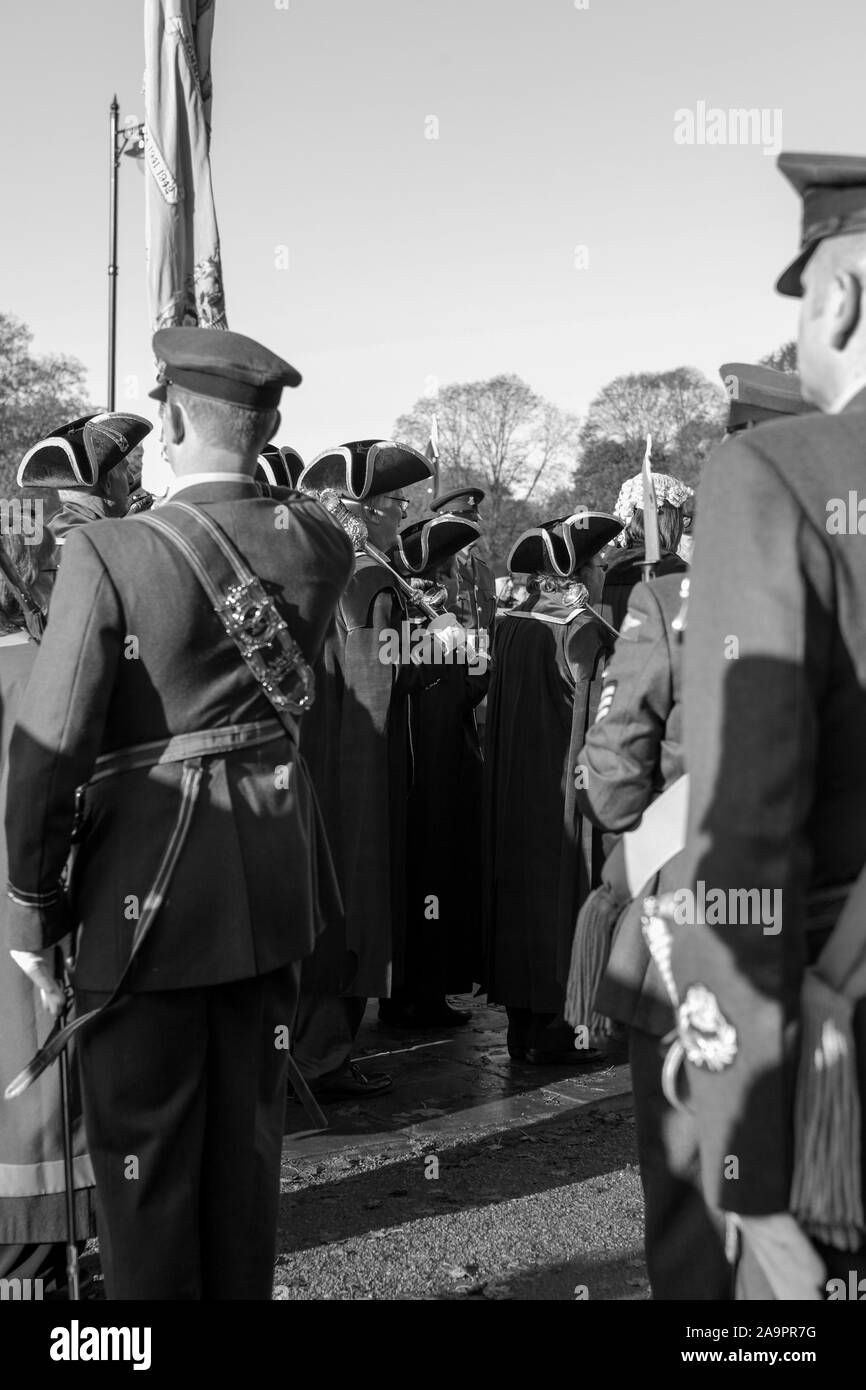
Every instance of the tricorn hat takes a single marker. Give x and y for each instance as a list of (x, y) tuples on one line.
[(423, 545), (281, 467), (77, 455), (561, 547), (366, 468), (759, 393)]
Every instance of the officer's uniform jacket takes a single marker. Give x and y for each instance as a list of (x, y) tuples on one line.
[(134, 653), (633, 751), (775, 713), (476, 600)]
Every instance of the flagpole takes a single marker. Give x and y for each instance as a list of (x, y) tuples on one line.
[(113, 113)]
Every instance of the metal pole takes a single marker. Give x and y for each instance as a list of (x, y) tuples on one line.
[(112, 252)]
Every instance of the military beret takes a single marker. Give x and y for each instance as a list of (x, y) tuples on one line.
[(366, 468), (77, 455), (281, 467), (759, 393), (461, 499), (422, 545), (562, 547), (227, 366), (833, 189)]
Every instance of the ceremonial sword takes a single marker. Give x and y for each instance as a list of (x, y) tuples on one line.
[(650, 517)]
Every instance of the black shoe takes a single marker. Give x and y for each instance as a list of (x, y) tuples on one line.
[(352, 1084), (516, 1041), (426, 1015)]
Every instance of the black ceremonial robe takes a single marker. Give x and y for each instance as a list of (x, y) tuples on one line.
[(443, 941), (355, 740), (540, 857)]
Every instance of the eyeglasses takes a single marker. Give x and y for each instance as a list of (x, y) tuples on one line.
[(404, 502)]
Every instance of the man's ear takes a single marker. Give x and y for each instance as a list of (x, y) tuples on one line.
[(849, 309), (275, 428), (173, 422)]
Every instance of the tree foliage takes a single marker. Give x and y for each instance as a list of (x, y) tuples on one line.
[(37, 394), (501, 436), (681, 409), (783, 358)]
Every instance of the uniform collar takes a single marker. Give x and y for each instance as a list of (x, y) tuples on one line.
[(212, 487)]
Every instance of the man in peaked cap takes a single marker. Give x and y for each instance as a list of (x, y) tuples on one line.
[(633, 752), (541, 857), (356, 742), (82, 461), (197, 833), (774, 744), (443, 947)]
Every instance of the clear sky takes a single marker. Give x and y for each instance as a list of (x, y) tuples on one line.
[(452, 259)]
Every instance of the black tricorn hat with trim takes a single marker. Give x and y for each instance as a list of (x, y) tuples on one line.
[(423, 545), (77, 455), (562, 546), (758, 393), (366, 468), (281, 467)]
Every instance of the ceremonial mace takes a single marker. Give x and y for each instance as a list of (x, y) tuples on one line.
[(650, 517), (357, 533)]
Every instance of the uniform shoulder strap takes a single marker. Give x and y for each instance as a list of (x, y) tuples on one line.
[(244, 607)]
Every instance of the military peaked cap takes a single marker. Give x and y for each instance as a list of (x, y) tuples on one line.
[(226, 366), (833, 190)]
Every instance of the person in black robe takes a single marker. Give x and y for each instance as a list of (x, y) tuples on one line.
[(442, 953), (357, 748), (540, 857), (675, 508)]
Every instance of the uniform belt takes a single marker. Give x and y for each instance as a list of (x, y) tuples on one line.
[(197, 744)]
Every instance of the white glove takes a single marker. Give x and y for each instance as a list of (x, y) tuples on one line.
[(448, 631), (51, 991), (477, 653), (788, 1258)]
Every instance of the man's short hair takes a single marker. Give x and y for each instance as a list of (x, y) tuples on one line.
[(239, 428)]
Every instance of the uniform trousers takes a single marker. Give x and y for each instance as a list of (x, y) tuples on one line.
[(184, 1095), (685, 1240), (326, 1026)]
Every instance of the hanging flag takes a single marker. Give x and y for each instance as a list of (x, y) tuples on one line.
[(650, 510), (183, 252), (432, 453)]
